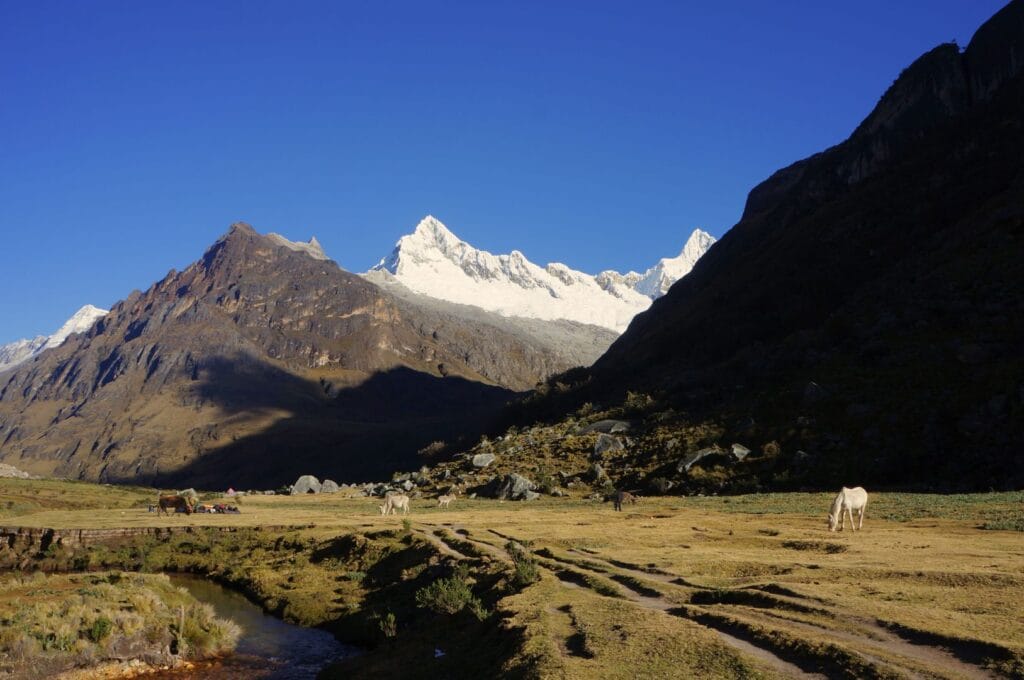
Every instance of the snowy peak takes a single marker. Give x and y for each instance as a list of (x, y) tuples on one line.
[(80, 321), (656, 281), (435, 262), (19, 351)]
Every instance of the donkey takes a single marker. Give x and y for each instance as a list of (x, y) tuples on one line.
[(623, 497), (443, 501), (393, 501), (845, 503)]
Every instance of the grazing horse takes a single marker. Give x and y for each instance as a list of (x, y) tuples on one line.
[(623, 497), (393, 501), (845, 503), (443, 501), (175, 502)]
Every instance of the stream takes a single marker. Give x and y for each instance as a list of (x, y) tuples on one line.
[(268, 647)]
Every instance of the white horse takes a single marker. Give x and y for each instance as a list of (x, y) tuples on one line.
[(845, 503), (443, 501), (394, 501)]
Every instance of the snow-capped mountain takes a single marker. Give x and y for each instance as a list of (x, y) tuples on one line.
[(433, 261), (20, 351)]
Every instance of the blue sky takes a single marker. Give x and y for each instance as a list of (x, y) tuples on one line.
[(597, 134)]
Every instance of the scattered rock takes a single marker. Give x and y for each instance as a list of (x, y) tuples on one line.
[(606, 443), (606, 426), (482, 460), (596, 474), (530, 495), (11, 471), (306, 484), (689, 461), (329, 486), (740, 451), (511, 487), (407, 485)]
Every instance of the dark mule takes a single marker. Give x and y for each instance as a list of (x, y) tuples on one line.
[(174, 502), (623, 497)]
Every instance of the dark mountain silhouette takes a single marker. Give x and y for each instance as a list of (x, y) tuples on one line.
[(868, 308), (255, 364)]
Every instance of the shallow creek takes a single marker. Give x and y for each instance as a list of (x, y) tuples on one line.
[(268, 647)]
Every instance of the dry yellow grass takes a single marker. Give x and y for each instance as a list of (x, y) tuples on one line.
[(932, 595)]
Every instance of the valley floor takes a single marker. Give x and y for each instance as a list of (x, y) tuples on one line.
[(745, 586)]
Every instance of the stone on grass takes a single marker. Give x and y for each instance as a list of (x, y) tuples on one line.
[(329, 486), (482, 460), (606, 443), (306, 484)]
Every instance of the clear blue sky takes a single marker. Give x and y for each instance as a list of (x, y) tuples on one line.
[(597, 134)]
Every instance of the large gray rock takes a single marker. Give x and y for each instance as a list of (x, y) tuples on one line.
[(606, 426), (709, 455), (482, 460), (596, 474), (740, 451), (329, 486), (530, 495), (306, 484), (511, 487), (606, 443)]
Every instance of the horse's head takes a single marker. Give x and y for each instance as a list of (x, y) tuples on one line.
[(833, 520), (382, 508)]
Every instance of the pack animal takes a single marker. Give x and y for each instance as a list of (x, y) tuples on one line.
[(623, 497), (845, 503), (393, 503), (443, 501), (173, 501)]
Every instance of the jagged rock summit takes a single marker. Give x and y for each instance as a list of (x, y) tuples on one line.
[(433, 261)]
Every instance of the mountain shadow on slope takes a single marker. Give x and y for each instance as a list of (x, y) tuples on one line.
[(363, 432), (866, 312)]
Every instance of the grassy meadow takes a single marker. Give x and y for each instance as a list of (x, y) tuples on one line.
[(740, 586)]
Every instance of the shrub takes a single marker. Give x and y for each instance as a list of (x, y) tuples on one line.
[(100, 629), (524, 567), (445, 596), (388, 626)]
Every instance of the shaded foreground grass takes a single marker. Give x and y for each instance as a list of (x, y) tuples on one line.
[(922, 570)]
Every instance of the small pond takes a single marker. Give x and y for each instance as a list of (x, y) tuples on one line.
[(269, 647)]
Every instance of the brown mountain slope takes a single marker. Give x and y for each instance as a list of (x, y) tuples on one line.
[(255, 364), (887, 271)]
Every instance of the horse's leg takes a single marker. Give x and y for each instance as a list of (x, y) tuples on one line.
[(863, 508), (853, 527)]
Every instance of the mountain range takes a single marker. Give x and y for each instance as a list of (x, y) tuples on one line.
[(433, 261), (264, 359)]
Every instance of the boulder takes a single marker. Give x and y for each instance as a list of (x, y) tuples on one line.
[(530, 495), (606, 443), (606, 426), (482, 460), (306, 484), (739, 451), (511, 487), (712, 454), (329, 486), (407, 485), (596, 474)]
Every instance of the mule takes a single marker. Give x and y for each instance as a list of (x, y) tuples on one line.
[(623, 497), (845, 503), (393, 502)]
